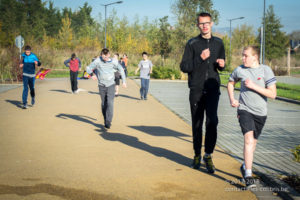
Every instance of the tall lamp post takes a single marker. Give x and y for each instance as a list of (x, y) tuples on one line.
[(105, 5), (230, 20)]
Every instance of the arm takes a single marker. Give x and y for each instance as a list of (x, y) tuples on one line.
[(230, 90), (269, 92), (67, 62), (187, 62), (79, 62), (121, 71), (221, 58), (137, 69), (90, 69)]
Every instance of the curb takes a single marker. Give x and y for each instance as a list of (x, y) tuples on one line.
[(280, 187)]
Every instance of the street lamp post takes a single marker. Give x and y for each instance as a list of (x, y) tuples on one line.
[(105, 5), (230, 20)]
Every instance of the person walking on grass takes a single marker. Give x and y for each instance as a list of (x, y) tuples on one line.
[(145, 66), (104, 68), (74, 64), (257, 84), (203, 56), (28, 63)]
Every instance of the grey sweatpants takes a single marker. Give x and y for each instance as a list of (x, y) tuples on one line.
[(107, 95)]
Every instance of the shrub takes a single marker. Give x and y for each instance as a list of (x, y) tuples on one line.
[(296, 153), (160, 72)]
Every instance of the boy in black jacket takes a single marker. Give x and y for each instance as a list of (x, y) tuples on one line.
[(204, 55)]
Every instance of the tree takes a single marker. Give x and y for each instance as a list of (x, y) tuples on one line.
[(276, 40), (243, 36), (164, 36), (65, 34)]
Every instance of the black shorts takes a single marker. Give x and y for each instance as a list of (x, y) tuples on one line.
[(251, 122)]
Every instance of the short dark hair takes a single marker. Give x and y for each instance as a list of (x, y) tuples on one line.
[(117, 54), (73, 55), (104, 51), (255, 50), (27, 47), (144, 53), (204, 14)]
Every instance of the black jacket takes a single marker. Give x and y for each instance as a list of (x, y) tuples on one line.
[(203, 74)]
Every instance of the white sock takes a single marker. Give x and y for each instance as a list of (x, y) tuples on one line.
[(248, 172), (207, 154)]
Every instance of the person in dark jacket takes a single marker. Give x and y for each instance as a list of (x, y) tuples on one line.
[(29, 62), (204, 55), (74, 64)]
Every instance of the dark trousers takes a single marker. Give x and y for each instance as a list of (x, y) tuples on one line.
[(144, 87), (28, 81), (73, 78), (107, 95), (201, 102)]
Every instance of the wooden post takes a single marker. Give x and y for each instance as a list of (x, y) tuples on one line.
[(289, 61)]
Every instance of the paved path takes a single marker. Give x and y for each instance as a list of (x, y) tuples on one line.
[(281, 132), (59, 149)]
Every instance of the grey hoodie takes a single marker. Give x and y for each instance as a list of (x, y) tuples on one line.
[(105, 71)]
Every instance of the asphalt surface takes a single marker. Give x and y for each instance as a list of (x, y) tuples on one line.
[(59, 149)]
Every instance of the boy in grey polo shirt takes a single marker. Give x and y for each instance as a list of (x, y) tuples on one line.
[(257, 84), (105, 69), (145, 67)]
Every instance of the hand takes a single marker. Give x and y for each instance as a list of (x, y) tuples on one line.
[(249, 84), (234, 103), (135, 72), (21, 65), (35, 62), (221, 62), (94, 77), (205, 54), (124, 85)]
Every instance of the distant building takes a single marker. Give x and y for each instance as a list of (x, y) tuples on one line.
[(295, 44)]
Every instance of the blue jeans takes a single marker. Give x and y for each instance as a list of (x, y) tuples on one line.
[(28, 81), (144, 87)]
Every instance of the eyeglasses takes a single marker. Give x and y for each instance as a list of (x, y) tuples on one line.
[(204, 23)]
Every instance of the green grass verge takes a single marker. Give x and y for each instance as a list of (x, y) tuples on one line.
[(283, 89), (58, 74)]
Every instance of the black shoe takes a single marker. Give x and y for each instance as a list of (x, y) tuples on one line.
[(243, 172), (209, 164), (250, 182), (142, 98), (107, 125), (196, 162), (25, 106)]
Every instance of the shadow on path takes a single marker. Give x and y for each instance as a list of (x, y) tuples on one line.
[(82, 118), (62, 91), (135, 143), (15, 102), (54, 190), (129, 97), (161, 131)]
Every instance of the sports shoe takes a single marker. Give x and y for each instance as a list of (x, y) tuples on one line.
[(196, 162), (32, 101), (142, 98), (243, 172), (25, 106), (107, 125), (250, 182), (209, 164)]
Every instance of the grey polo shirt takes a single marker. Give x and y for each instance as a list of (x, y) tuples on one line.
[(250, 100)]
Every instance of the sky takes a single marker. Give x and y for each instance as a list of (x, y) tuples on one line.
[(251, 10)]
